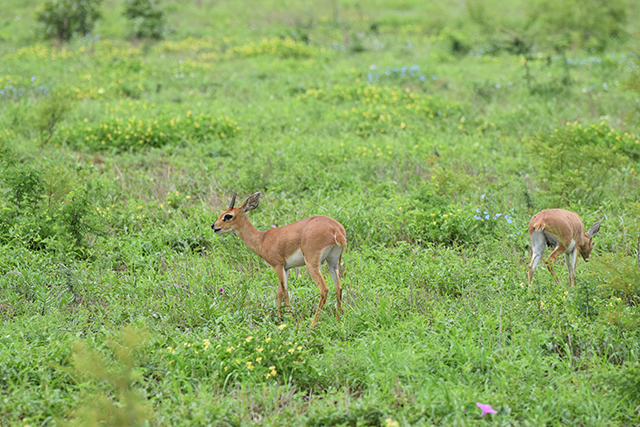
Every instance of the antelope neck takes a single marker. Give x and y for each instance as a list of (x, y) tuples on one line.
[(250, 236)]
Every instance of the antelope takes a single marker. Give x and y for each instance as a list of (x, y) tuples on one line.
[(563, 230), (310, 241)]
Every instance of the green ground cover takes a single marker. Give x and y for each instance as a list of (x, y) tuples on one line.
[(432, 131)]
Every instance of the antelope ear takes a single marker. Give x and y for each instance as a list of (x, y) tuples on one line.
[(251, 202), (594, 229)]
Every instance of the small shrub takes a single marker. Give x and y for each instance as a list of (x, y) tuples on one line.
[(620, 275), (48, 113), (24, 187), (17, 87), (147, 18), (575, 161), (120, 403), (74, 217), (626, 382), (433, 218), (459, 42), (631, 230), (277, 47), (585, 299), (358, 414), (259, 358), (449, 181), (45, 209), (62, 19), (133, 133), (402, 74), (374, 110), (577, 24)]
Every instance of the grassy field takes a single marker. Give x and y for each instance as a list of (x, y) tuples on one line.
[(432, 131)]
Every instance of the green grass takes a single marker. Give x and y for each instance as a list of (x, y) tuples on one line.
[(419, 126)]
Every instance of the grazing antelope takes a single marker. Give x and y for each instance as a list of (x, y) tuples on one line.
[(310, 241), (564, 231)]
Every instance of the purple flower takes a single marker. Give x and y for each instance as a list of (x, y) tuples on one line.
[(221, 290), (486, 409)]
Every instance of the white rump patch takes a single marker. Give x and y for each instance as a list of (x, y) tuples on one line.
[(538, 243)]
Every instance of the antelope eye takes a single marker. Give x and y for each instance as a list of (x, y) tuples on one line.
[(227, 217)]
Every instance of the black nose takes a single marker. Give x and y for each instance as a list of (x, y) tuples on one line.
[(213, 227)]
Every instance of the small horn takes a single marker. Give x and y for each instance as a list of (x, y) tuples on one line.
[(233, 200)]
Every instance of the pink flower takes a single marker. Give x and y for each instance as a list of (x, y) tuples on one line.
[(486, 409), (274, 226)]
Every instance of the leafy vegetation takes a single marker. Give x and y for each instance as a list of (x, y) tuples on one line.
[(147, 18), (63, 19), (431, 131)]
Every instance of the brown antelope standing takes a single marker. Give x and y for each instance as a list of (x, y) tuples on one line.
[(310, 241), (564, 231)]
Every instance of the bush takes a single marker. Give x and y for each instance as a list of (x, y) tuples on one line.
[(276, 47), (374, 110), (45, 209), (24, 187), (147, 19), (626, 382), (48, 113), (433, 219), (578, 24), (619, 275), (133, 133), (263, 357), (64, 18), (576, 161), (120, 402)]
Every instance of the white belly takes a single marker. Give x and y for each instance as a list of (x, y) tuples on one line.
[(295, 260)]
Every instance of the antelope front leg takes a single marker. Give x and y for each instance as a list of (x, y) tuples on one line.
[(286, 289), (282, 291)]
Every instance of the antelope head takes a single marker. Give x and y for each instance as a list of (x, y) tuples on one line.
[(231, 219), (587, 241)]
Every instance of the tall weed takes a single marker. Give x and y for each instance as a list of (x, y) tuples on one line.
[(121, 403)]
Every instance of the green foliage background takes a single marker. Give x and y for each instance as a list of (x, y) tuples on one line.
[(432, 131)]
